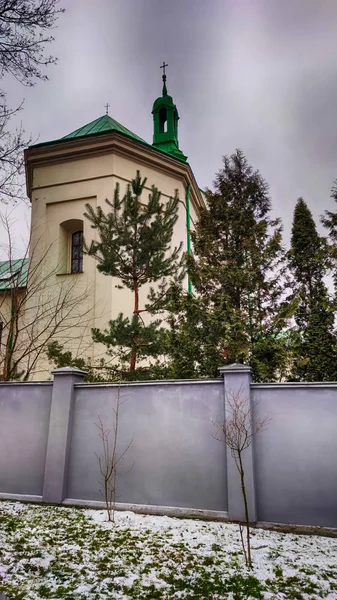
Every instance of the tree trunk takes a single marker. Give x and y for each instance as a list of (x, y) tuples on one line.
[(135, 312), (243, 488), (106, 497)]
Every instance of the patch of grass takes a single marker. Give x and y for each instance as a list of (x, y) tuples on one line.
[(63, 554), (294, 587)]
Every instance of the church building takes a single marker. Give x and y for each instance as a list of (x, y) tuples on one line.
[(83, 167)]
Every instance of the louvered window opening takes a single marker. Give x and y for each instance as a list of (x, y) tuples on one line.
[(77, 252)]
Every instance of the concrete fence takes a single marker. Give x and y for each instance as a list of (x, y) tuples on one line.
[(50, 446)]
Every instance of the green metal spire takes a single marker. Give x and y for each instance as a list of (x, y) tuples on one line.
[(165, 123)]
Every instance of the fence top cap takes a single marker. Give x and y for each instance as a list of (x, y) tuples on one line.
[(235, 367), (68, 371)]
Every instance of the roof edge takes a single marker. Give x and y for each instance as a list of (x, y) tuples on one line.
[(116, 137)]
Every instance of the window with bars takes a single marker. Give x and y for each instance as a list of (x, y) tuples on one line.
[(77, 252)]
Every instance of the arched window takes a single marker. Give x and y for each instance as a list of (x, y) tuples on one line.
[(163, 120), (77, 252), (71, 247), (175, 121)]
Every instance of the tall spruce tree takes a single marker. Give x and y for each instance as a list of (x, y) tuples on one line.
[(238, 275), (193, 336), (314, 340), (135, 246), (329, 220)]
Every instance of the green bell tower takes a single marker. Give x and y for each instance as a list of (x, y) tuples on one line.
[(165, 123)]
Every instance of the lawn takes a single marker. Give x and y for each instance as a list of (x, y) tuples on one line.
[(74, 554)]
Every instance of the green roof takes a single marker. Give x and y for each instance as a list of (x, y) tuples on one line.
[(13, 273), (101, 125)]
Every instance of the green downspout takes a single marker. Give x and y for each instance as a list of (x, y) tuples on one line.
[(188, 227), (9, 349)]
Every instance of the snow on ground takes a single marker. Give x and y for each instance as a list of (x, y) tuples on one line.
[(75, 554)]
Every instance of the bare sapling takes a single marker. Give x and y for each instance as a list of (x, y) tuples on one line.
[(237, 432), (111, 458), (36, 306)]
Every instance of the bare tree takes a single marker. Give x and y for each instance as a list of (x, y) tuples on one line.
[(108, 464), (23, 39), (237, 432), (12, 145), (36, 306), (23, 24)]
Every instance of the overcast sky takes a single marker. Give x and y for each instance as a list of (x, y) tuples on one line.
[(260, 75)]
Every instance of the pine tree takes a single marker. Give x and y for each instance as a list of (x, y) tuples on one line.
[(238, 273), (314, 340), (134, 246), (64, 358)]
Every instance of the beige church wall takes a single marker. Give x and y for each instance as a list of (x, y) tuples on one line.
[(5, 306), (83, 285), (166, 184), (110, 168), (50, 207), (73, 170), (5, 317), (60, 193), (194, 216)]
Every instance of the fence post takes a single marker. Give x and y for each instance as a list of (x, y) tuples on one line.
[(61, 414), (237, 379)]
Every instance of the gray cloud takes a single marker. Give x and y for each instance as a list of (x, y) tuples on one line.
[(256, 74)]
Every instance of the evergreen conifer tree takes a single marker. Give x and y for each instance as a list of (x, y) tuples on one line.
[(193, 336), (237, 271), (314, 340), (134, 246), (329, 220)]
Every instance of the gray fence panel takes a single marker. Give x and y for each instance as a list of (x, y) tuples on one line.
[(24, 424), (295, 457), (173, 459)]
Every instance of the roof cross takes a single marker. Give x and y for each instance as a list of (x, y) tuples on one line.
[(163, 67), (107, 106)]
